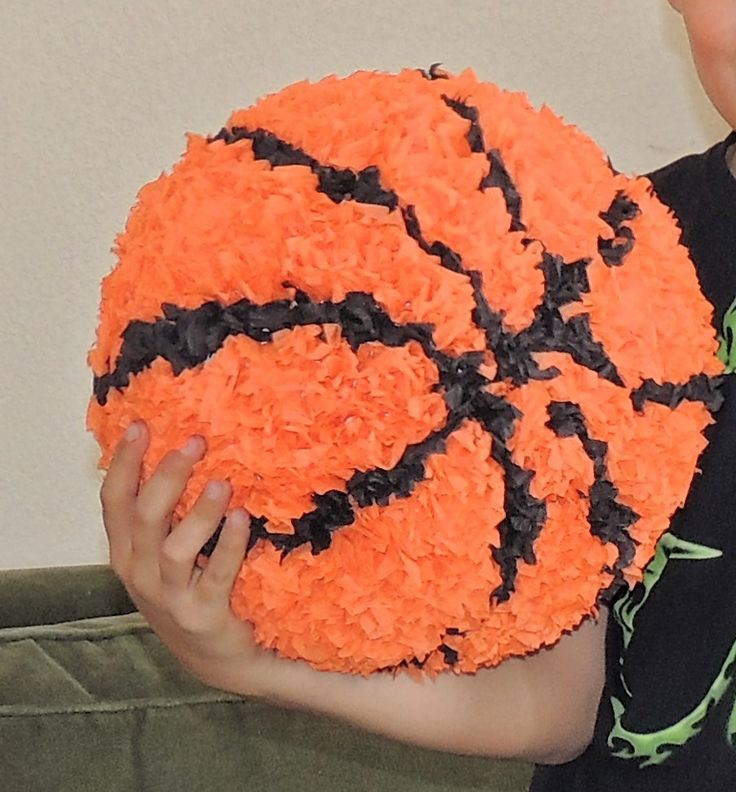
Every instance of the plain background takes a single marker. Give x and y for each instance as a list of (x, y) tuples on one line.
[(94, 102)]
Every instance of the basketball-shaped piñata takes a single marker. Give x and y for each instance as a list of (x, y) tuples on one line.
[(456, 367)]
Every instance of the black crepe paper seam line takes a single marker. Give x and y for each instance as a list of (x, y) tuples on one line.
[(622, 209), (609, 520), (699, 388), (474, 135), (498, 175), (187, 337), (525, 515), (338, 184)]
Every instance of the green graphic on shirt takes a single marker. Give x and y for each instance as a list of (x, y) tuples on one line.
[(653, 748), (727, 350)]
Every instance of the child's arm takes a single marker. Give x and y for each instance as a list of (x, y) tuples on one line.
[(540, 708)]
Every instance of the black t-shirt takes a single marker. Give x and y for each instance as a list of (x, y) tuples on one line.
[(667, 717)]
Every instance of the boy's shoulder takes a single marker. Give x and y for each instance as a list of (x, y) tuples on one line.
[(690, 180), (682, 183), (691, 165)]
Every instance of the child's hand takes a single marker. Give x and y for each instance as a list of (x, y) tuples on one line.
[(187, 606), (541, 708)]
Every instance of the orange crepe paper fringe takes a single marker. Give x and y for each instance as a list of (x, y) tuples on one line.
[(299, 415)]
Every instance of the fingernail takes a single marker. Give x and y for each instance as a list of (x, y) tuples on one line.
[(194, 447), (133, 432), (215, 489), (238, 518)]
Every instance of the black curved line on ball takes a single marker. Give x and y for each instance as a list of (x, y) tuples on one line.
[(524, 519), (699, 388), (622, 209), (564, 283), (334, 509), (513, 361), (474, 134), (339, 184), (524, 514), (498, 176), (609, 519), (186, 337)]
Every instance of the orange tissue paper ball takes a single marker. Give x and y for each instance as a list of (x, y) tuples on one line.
[(455, 366)]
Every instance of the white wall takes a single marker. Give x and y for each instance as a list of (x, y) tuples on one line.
[(95, 97)]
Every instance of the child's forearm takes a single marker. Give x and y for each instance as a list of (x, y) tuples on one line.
[(443, 714), (541, 708)]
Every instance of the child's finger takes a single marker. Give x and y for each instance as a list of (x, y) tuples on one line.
[(120, 487), (160, 494), (218, 577), (181, 547)]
